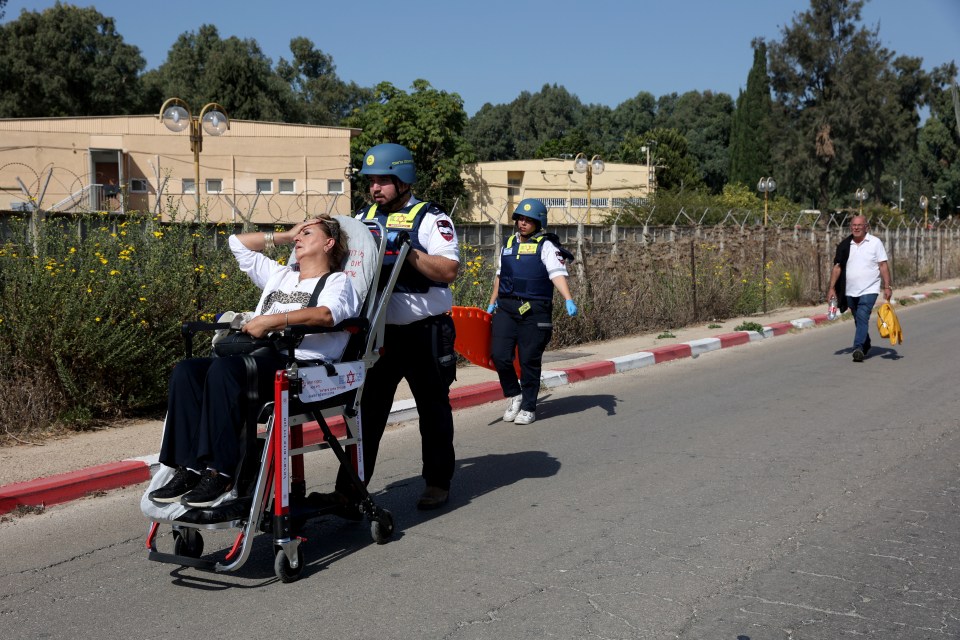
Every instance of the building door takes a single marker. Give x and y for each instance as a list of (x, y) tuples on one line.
[(106, 178)]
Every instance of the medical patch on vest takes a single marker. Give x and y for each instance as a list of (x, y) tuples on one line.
[(527, 248), (400, 221), (445, 229), (508, 251)]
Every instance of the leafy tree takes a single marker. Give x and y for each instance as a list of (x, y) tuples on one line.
[(833, 83), (750, 130), (67, 61), (635, 116), (704, 121), (428, 122), (599, 131), (676, 168), (535, 118), (3, 3), (573, 143), (201, 67), (322, 98), (519, 129), (488, 132)]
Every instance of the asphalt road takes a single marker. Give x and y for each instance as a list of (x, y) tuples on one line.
[(776, 490)]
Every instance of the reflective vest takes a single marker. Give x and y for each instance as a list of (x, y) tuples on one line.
[(407, 219), (522, 272)]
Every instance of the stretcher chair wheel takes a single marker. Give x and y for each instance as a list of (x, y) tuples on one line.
[(282, 568), (188, 543), (381, 526)]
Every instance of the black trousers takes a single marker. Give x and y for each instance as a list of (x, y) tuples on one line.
[(209, 401), (528, 334), (423, 354)]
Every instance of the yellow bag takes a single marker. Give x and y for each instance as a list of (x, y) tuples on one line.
[(888, 325)]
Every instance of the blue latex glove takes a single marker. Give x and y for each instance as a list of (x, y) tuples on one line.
[(492, 307), (571, 308)]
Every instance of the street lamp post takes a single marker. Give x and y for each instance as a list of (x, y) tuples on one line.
[(936, 207), (923, 205), (213, 119), (766, 186), (646, 149), (861, 195), (593, 166)]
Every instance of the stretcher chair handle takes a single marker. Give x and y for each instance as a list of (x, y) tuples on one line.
[(192, 328)]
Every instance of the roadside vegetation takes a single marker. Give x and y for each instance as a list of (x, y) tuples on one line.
[(91, 308)]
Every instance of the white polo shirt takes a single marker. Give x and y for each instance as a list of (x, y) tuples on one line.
[(863, 266), (438, 236)]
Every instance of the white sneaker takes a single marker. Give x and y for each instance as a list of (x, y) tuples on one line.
[(512, 409), (525, 417)]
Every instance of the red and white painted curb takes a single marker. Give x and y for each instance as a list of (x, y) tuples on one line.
[(77, 484)]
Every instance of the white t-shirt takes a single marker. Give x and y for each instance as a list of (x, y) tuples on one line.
[(286, 292), (549, 256), (437, 235), (863, 266)]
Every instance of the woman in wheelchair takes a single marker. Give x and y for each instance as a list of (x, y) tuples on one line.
[(211, 399)]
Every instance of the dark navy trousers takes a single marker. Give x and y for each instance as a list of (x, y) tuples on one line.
[(422, 353), (528, 334), (209, 401)]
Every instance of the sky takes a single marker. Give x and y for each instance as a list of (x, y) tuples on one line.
[(602, 51)]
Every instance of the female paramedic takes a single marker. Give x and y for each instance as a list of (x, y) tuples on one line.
[(210, 398), (531, 265)]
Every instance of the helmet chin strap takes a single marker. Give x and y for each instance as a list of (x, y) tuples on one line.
[(395, 204)]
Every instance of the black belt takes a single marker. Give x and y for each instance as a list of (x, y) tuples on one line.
[(523, 299), (424, 321)]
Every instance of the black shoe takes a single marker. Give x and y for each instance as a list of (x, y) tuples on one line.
[(857, 355), (866, 348), (433, 498), (342, 505), (210, 489), (182, 481)]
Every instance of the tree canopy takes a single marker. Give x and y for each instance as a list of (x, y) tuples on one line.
[(845, 107), (67, 61), (750, 130), (202, 67), (826, 109), (322, 98)]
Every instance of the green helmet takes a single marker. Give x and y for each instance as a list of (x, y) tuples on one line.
[(532, 208), (389, 160)]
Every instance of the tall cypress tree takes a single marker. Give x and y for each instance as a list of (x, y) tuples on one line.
[(750, 129)]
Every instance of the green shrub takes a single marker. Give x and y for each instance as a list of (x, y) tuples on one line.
[(95, 305), (474, 282)]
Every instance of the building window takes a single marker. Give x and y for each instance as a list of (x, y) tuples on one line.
[(139, 185), (334, 186), (214, 185), (264, 186), (287, 186), (189, 186), (514, 182)]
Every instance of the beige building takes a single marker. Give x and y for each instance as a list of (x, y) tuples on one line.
[(496, 188), (256, 172)]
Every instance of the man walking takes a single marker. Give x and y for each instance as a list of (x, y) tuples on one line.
[(859, 266)]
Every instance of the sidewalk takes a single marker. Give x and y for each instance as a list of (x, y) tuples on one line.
[(75, 466)]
